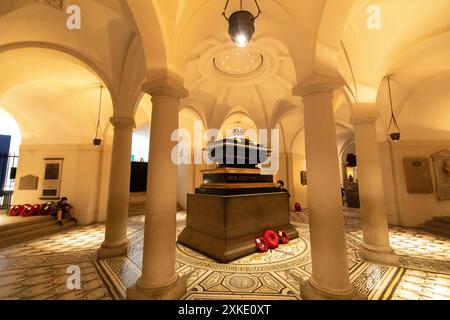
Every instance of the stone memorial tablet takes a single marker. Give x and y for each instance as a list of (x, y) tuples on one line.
[(441, 162), (28, 182), (418, 175)]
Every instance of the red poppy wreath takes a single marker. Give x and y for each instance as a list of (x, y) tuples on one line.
[(271, 238)]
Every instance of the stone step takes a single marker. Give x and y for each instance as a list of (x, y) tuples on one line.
[(136, 208), (138, 197), (436, 226), (15, 222), (35, 233), (443, 219), (26, 227), (137, 204)]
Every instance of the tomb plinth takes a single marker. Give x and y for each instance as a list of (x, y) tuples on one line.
[(235, 203)]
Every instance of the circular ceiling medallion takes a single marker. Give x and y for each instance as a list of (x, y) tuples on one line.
[(237, 62)]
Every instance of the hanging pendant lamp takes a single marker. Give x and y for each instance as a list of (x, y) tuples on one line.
[(241, 24), (393, 130), (97, 139)]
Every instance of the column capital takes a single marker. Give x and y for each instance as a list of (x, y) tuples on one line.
[(318, 84), (364, 117), (122, 123), (165, 87)]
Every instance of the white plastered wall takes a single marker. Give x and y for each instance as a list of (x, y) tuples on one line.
[(403, 208), (84, 178)]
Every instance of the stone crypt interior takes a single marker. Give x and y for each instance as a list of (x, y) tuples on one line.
[(357, 91)]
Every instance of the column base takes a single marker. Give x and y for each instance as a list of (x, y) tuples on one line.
[(173, 291), (105, 251), (380, 255), (310, 291)]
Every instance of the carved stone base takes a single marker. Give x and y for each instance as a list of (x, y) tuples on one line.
[(105, 251), (310, 291), (225, 227), (173, 291), (381, 255)]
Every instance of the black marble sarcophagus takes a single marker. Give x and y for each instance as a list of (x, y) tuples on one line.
[(236, 172)]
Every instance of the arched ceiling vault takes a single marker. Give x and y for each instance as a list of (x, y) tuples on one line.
[(372, 53), (104, 42), (53, 96), (171, 29)]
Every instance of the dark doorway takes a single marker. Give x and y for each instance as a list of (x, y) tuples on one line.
[(138, 181), (5, 142), (8, 168)]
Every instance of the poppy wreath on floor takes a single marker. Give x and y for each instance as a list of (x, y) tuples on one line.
[(36, 209), (15, 211), (271, 238), (261, 245), (46, 209), (26, 210), (284, 239)]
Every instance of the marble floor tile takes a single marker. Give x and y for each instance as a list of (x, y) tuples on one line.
[(38, 269)]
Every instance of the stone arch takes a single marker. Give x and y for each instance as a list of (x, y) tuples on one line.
[(148, 22), (91, 65)]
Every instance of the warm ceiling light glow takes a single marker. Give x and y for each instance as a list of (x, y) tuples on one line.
[(241, 41), (239, 61), (241, 25)]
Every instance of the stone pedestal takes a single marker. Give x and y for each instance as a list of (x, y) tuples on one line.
[(175, 290), (310, 291), (225, 227)]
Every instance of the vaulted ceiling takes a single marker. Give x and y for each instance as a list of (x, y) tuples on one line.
[(123, 42)]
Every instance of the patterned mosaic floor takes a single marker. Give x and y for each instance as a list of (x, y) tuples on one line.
[(38, 269)]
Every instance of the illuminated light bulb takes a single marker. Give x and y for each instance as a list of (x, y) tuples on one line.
[(241, 26), (241, 40)]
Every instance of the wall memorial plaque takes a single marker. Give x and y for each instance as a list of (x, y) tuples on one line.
[(52, 178), (28, 182), (418, 175), (303, 178), (441, 162)]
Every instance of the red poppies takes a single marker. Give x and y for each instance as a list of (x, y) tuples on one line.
[(283, 237), (270, 240), (15, 211), (28, 210), (261, 245)]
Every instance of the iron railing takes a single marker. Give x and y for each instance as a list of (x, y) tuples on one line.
[(8, 169)]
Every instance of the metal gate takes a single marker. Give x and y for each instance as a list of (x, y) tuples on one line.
[(8, 169)]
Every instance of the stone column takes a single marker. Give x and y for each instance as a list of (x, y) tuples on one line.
[(330, 275), (116, 240), (291, 180), (159, 279), (376, 247)]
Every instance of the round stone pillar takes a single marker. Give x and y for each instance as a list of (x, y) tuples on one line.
[(159, 279), (116, 239), (330, 275), (376, 247)]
